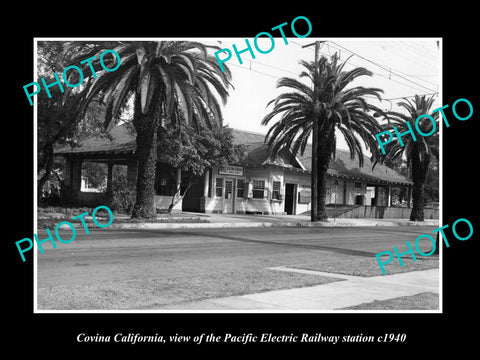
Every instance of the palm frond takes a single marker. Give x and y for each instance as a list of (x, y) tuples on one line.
[(182, 75), (329, 102)]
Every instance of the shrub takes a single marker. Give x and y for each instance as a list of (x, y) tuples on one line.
[(123, 195), (50, 198)]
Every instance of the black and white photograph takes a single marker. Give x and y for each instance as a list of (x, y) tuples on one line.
[(216, 181), (207, 165)]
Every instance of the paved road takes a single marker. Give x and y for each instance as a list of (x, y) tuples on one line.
[(109, 254)]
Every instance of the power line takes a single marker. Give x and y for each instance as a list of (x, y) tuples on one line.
[(381, 66), (425, 63), (274, 67), (389, 69), (424, 54), (417, 59), (350, 63), (278, 78), (415, 48), (389, 78), (420, 75), (378, 74), (384, 76), (250, 69), (410, 96)]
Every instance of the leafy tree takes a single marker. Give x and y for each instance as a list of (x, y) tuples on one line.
[(169, 81), (432, 181), (96, 174), (191, 152), (418, 152), (329, 104), (57, 123), (49, 56)]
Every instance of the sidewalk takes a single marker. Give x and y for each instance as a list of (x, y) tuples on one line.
[(238, 220), (353, 290)]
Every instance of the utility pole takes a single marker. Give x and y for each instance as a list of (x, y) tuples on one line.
[(314, 176)]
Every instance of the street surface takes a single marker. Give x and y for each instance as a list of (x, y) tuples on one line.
[(122, 255)]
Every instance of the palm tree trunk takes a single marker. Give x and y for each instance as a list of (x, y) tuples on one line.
[(323, 161), (146, 126), (419, 174), (417, 208), (314, 216), (322, 187), (314, 186)]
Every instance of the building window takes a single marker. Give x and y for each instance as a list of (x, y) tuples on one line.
[(276, 190), (228, 189), (240, 186), (304, 195), (218, 187), (258, 189), (162, 187), (358, 185)]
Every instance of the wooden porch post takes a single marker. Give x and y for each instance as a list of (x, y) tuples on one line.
[(389, 195), (409, 196), (76, 175), (206, 182), (132, 170), (109, 179)]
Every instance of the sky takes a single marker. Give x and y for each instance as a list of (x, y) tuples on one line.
[(402, 67)]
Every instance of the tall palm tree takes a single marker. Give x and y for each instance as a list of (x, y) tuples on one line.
[(170, 81), (330, 103), (418, 152)]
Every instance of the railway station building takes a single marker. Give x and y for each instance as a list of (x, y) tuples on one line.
[(256, 184)]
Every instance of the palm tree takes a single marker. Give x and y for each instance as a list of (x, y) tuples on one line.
[(417, 152), (329, 105), (170, 80)]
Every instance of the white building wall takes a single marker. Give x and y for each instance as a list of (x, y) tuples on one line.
[(346, 191), (162, 203)]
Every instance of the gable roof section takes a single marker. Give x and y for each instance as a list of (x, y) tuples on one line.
[(122, 140), (257, 154), (344, 166), (341, 166)]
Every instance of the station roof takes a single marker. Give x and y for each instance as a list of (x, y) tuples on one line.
[(121, 140), (343, 166)]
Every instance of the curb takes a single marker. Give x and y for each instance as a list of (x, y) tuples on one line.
[(372, 223), (217, 225), (187, 225), (263, 224)]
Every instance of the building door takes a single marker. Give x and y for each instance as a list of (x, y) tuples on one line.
[(229, 201), (290, 197), (370, 194)]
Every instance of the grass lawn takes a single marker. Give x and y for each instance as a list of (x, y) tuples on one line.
[(49, 217), (368, 266), (422, 301), (149, 293)]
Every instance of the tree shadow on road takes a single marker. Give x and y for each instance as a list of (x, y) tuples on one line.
[(280, 243)]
